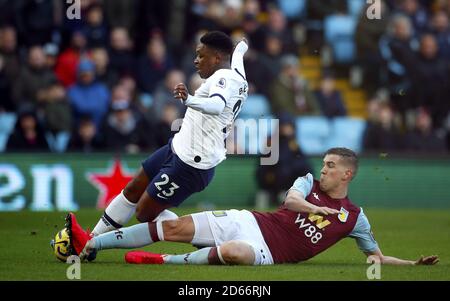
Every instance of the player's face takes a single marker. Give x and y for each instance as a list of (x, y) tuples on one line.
[(332, 173), (206, 61)]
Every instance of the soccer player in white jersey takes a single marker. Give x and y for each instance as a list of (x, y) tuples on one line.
[(315, 215), (186, 164)]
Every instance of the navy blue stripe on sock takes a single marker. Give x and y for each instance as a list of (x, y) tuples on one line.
[(111, 221), (235, 69), (217, 94)]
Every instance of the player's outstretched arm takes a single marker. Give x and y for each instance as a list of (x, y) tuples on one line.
[(237, 59), (295, 201), (213, 105), (378, 257)]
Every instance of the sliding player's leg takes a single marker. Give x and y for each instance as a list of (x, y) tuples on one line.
[(123, 206), (225, 246), (135, 236)]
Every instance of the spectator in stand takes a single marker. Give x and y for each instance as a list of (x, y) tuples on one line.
[(9, 52), (36, 21), (329, 98), (85, 138), (88, 96), (124, 131), (367, 37), (95, 27), (277, 24), (252, 26), (57, 114), (163, 128), (33, 78), (382, 134), (164, 94), (398, 48), (416, 13), (441, 29), (272, 179), (121, 13), (423, 138), (6, 103), (431, 80), (68, 60), (103, 70), (270, 57), (121, 57), (290, 93), (51, 51), (28, 135), (154, 64)]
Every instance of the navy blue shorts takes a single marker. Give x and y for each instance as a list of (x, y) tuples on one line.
[(171, 180)]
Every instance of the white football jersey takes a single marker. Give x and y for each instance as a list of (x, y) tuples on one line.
[(201, 139)]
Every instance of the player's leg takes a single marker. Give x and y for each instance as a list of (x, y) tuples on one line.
[(174, 183), (196, 229), (123, 206), (136, 236), (148, 209)]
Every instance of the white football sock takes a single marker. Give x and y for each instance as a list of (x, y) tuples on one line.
[(117, 214), (165, 215)]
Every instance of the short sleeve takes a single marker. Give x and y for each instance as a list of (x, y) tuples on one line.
[(303, 184), (220, 85), (363, 235)]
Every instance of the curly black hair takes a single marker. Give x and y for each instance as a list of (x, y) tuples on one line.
[(219, 41)]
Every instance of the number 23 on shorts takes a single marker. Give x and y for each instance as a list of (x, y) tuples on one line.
[(165, 188)]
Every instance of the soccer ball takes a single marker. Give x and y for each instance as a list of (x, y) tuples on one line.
[(61, 245)]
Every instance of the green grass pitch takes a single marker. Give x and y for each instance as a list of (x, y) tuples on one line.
[(25, 253)]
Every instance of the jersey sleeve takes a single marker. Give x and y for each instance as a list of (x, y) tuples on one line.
[(303, 184), (220, 85), (363, 235)]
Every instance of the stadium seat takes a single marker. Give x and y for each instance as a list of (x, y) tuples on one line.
[(293, 9), (313, 133), (339, 31), (355, 7), (7, 123), (256, 106), (347, 132)]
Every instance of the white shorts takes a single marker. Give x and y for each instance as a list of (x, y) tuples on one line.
[(239, 225)]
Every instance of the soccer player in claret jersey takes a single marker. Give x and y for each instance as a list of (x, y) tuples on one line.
[(186, 164), (315, 215)]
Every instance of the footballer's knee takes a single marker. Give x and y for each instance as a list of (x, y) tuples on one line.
[(132, 192), (179, 230), (142, 216), (136, 187), (237, 252)]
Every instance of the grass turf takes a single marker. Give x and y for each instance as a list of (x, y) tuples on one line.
[(25, 253)]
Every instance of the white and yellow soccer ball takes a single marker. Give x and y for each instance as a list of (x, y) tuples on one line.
[(61, 245)]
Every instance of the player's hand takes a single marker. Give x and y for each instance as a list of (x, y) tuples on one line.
[(325, 211), (180, 92), (428, 260)]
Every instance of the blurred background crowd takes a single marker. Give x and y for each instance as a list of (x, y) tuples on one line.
[(104, 82)]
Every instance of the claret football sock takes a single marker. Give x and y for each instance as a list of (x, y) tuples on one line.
[(117, 214), (209, 255)]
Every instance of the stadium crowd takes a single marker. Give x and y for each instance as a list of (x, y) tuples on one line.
[(104, 81)]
